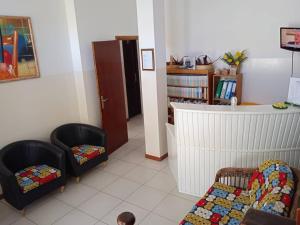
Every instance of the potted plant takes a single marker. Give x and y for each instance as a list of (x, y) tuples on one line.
[(234, 60)]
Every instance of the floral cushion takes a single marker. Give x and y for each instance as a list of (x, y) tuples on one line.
[(222, 204), (272, 187), (35, 176), (84, 153)]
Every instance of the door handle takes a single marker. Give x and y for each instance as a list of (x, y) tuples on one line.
[(103, 100)]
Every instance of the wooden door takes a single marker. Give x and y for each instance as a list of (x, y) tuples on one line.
[(108, 63), (131, 66)]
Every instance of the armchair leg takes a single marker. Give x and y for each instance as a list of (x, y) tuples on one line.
[(62, 189), (77, 179), (23, 212), (1, 196)]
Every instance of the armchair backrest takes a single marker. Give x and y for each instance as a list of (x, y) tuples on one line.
[(20, 155), (77, 134), (272, 187)]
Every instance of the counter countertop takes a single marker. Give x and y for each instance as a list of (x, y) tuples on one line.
[(256, 109)]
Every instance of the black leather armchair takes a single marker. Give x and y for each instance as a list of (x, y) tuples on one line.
[(23, 154), (75, 134)]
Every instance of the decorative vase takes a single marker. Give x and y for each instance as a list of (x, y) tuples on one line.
[(233, 71)]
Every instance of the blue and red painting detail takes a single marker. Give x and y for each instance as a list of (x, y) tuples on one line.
[(17, 55)]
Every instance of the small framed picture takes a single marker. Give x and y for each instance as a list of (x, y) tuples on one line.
[(148, 63)]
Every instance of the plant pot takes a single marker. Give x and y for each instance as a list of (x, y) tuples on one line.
[(234, 70)]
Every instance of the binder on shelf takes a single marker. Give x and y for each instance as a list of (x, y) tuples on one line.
[(219, 88), (229, 90), (233, 90), (224, 88)]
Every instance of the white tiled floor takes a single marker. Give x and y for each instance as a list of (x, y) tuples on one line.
[(129, 182)]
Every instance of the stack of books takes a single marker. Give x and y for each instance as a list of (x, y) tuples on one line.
[(225, 89), (185, 92), (194, 81)]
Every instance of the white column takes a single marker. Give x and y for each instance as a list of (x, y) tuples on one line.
[(151, 26), (76, 60)]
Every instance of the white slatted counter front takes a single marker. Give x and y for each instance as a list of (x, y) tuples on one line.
[(207, 138)]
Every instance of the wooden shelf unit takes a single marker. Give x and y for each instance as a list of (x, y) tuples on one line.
[(238, 92), (171, 71)]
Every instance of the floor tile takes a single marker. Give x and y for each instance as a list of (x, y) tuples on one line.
[(156, 165), (75, 194), (99, 205), (76, 217), (162, 182), (167, 170), (137, 156), (100, 223), (174, 208), (157, 220), (121, 188), (120, 153), (146, 197), (23, 221), (141, 174), (98, 179), (47, 212), (8, 215), (138, 212), (119, 167), (185, 196)]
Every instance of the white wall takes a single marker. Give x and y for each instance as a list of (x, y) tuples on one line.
[(31, 109), (212, 27), (100, 20)]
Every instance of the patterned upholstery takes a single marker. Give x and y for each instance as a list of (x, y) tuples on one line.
[(36, 176), (84, 153), (272, 187), (222, 204)]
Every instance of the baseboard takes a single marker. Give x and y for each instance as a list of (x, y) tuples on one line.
[(156, 158)]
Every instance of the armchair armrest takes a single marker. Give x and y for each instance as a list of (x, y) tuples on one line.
[(54, 156), (257, 217), (95, 136), (237, 177)]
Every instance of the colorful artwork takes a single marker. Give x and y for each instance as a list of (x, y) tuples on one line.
[(17, 52)]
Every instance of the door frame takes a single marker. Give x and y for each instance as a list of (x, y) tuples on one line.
[(127, 37), (131, 38)]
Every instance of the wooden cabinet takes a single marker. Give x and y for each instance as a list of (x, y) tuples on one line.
[(189, 86), (238, 92)]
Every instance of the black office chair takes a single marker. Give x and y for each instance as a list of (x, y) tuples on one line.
[(84, 145), (29, 170)]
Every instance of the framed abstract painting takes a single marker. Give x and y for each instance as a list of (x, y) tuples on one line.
[(18, 58)]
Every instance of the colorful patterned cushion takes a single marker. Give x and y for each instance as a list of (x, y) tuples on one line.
[(84, 153), (35, 176), (271, 187), (222, 204)]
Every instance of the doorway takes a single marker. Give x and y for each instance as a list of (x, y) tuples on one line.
[(131, 75)]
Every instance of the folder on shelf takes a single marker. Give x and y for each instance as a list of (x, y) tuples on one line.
[(224, 88), (233, 89), (219, 88), (229, 90)]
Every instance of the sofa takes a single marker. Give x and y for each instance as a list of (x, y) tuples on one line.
[(271, 190)]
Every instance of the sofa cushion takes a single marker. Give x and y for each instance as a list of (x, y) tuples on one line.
[(84, 153), (222, 204), (271, 187), (35, 176)]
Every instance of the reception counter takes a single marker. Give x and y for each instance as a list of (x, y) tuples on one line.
[(206, 138)]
